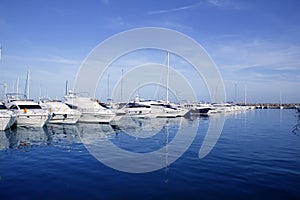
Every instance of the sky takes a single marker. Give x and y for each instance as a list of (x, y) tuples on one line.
[(254, 44)]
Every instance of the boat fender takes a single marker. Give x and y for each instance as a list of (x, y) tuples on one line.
[(53, 114), (65, 116)]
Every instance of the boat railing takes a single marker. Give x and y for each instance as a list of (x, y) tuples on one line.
[(16, 96)]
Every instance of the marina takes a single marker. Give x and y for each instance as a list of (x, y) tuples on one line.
[(250, 158), (187, 100)]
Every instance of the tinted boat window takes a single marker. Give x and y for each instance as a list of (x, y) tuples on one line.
[(30, 106), (2, 107), (14, 107), (71, 106)]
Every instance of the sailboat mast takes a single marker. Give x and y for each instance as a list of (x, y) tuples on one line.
[(245, 97), (26, 90), (108, 95), (122, 85), (66, 92), (28, 83), (5, 87), (167, 80), (280, 98), (17, 90)]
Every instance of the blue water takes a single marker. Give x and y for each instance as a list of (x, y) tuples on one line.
[(257, 156)]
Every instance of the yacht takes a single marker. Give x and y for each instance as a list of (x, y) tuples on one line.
[(91, 110), (160, 109), (151, 108), (60, 113), (28, 113), (135, 109), (200, 108), (181, 111), (7, 117)]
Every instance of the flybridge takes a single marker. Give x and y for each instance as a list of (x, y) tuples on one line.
[(10, 97)]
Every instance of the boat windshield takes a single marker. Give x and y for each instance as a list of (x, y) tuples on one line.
[(71, 106), (136, 105), (30, 107), (2, 107)]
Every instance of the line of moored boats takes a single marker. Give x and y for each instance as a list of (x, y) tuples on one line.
[(17, 110)]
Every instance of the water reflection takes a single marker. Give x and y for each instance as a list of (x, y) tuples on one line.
[(169, 136), (21, 137), (53, 133), (296, 128), (62, 133)]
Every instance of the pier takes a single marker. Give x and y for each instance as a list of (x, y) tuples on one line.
[(273, 105)]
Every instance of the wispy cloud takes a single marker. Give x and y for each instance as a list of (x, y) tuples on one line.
[(155, 12), (258, 60), (228, 4), (216, 2), (57, 59)]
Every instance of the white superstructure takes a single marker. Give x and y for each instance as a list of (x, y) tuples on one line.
[(60, 113), (91, 110)]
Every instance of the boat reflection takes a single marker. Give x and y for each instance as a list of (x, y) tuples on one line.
[(151, 136), (145, 127), (21, 137), (56, 134)]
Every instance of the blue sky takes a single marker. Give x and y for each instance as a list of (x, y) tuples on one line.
[(255, 44)]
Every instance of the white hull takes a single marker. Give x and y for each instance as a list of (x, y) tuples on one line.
[(138, 112), (6, 122), (96, 118), (35, 120), (64, 119), (91, 110), (160, 112), (60, 113)]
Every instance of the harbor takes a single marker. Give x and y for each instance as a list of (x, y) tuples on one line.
[(187, 100), (250, 152)]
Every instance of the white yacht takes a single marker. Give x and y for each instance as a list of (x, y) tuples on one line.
[(200, 108), (7, 117), (150, 108), (160, 109), (91, 110), (60, 113), (29, 113), (137, 110)]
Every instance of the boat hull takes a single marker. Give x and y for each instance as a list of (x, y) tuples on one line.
[(6, 122), (96, 118), (161, 112), (64, 119), (37, 120)]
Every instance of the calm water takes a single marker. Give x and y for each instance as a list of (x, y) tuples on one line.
[(257, 156)]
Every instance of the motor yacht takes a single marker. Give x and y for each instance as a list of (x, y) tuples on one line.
[(91, 110), (28, 113), (60, 113), (7, 117)]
